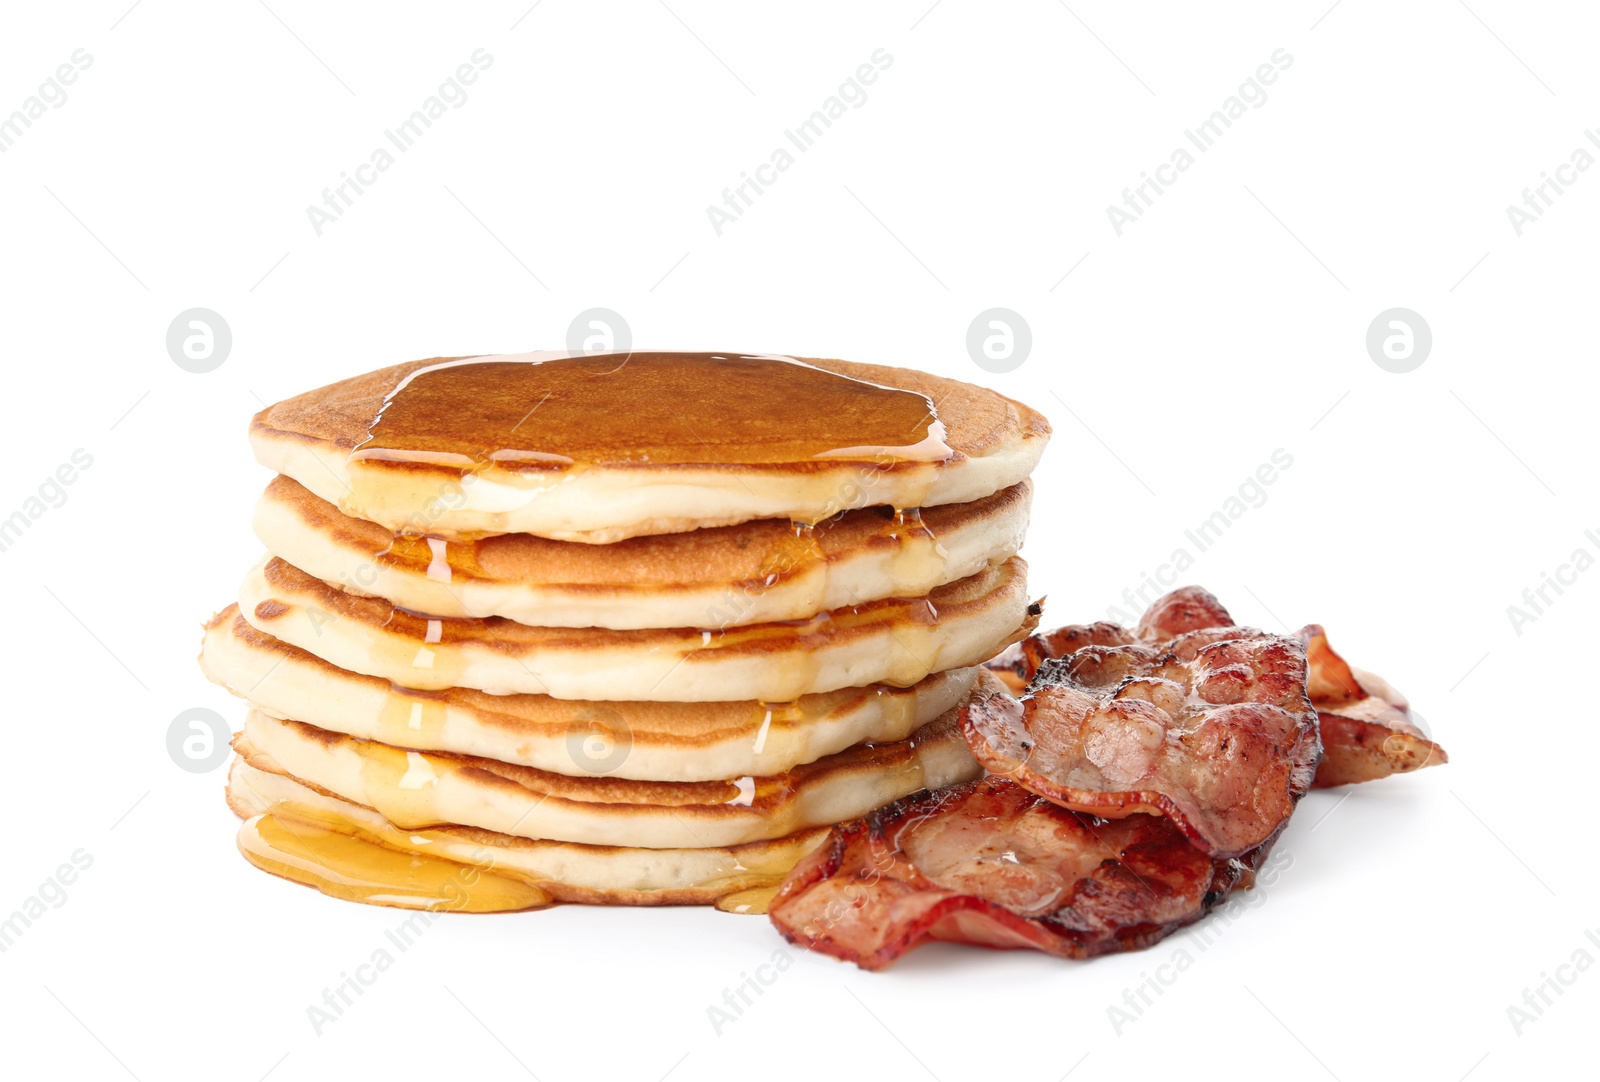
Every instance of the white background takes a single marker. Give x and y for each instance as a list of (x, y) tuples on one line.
[(1229, 321)]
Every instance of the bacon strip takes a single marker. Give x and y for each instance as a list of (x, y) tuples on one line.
[(1367, 731), (1199, 721), (991, 864), (1366, 725)]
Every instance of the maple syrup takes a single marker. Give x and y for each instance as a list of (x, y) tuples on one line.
[(919, 560), (411, 719), (345, 865), (542, 412), (752, 900), (388, 866)]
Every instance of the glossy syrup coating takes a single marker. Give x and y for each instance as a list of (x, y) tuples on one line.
[(661, 409)]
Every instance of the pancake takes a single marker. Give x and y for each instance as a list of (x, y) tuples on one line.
[(598, 449), (414, 789), (754, 572), (563, 871), (644, 740), (893, 641)]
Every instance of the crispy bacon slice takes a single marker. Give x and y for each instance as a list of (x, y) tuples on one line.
[(1018, 663), (1187, 717), (1366, 725), (1367, 731), (989, 863)]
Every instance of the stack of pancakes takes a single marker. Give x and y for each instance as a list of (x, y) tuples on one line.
[(632, 628)]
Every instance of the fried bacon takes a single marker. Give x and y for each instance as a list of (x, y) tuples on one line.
[(989, 863), (1366, 726), (1141, 778), (1018, 663), (1367, 731), (1187, 717)]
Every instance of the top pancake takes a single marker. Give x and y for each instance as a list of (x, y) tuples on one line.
[(598, 449)]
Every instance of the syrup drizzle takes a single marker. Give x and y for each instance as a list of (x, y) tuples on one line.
[(344, 859), (340, 863), (538, 412)]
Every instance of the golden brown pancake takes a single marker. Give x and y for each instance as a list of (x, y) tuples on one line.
[(598, 449), (414, 789), (893, 641), (754, 572), (648, 740), (565, 871)]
